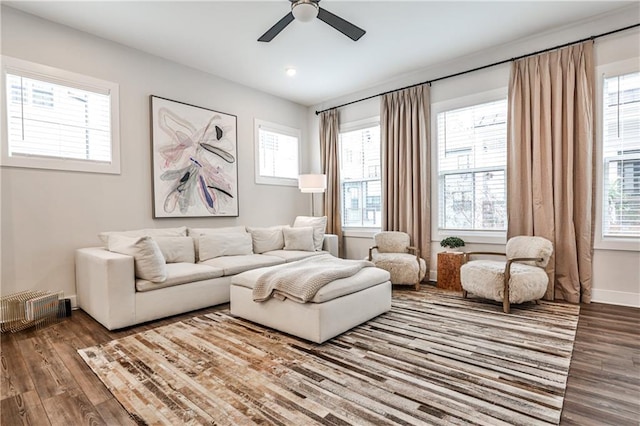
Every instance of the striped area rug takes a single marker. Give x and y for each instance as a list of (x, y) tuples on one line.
[(435, 358)]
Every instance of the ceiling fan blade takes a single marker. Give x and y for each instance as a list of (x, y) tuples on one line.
[(345, 27), (275, 30)]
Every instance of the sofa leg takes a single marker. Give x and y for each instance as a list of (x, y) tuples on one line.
[(417, 286), (464, 294)]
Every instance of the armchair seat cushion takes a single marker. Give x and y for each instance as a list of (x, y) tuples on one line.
[(402, 267), (485, 278)]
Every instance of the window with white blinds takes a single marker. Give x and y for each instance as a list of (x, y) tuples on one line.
[(472, 167), (360, 176), (277, 154), (621, 156), (58, 120)]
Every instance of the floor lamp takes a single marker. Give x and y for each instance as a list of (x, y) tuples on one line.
[(312, 183)]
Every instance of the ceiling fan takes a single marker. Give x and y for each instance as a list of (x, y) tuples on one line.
[(306, 10)]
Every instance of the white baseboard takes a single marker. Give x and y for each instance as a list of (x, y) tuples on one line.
[(611, 297)]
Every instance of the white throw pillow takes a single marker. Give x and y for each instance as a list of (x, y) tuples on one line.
[(319, 225), (267, 239), (151, 232), (177, 249), (148, 260), (225, 244), (300, 238)]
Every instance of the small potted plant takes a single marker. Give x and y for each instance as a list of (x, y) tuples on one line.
[(452, 243)]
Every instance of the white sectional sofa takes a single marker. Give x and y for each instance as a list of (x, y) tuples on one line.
[(148, 274)]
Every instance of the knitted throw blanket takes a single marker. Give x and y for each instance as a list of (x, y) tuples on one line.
[(301, 280)]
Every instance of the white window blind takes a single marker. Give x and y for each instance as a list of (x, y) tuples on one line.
[(57, 119), (621, 156), (277, 154), (53, 120), (360, 177), (472, 167)]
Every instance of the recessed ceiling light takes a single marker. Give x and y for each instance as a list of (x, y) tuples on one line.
[(290, 72)]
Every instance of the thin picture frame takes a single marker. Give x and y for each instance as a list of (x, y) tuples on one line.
[(194, 160)]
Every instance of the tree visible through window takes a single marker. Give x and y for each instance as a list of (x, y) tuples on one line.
[(621, 156), (471, 167)]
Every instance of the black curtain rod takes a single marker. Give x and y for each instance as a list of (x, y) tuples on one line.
[(504, 61)]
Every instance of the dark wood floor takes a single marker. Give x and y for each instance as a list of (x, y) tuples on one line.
[(44, 380)]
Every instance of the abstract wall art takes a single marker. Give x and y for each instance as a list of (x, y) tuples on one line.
[(195, 169)]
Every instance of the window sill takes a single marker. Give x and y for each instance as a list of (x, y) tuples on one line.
[(619, 244), (473, 237), (360, 232)]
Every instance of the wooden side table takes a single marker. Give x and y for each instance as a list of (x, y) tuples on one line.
[(449, 264)]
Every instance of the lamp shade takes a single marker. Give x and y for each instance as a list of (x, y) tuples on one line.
[(312, 183), (304, 10)]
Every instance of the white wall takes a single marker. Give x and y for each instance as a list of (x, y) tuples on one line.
[(46, 215), (616, 273)]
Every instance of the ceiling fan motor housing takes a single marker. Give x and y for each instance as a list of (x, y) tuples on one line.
[(304, 10)]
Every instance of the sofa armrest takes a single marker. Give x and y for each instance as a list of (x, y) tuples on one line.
[(330, 244), (105, 286)]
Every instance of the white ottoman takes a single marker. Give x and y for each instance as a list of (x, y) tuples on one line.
[(336, 308)]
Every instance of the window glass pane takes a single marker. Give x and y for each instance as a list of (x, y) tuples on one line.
[(472, 167), (360, 177), (57, 121), (621, 156), (278, 155)]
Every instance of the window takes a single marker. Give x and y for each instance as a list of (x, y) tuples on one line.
[(360, 178), (471, 166), (277, 158), (59, 120), (621, 156)]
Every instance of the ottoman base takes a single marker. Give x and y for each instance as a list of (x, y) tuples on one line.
[(316, 322)]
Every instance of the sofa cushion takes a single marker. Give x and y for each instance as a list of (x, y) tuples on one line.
[(365, 278), (181, 273), (293, 255), (147, 258), (224, 244), (176, 249), (151, 232), (299, 238), (197, 232), (267, 239), (232, 265), (319, 225)]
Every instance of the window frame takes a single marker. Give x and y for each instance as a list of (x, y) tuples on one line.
[(283, 130), (470, 236), (351, 126), (59, 76), (600, 241)]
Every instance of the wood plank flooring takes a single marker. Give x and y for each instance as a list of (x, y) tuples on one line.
[(44, 381)]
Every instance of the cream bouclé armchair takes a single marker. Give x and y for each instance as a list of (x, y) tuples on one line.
[(521, 275), (393, 252)]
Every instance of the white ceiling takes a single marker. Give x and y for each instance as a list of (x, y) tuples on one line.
[(402, 36)]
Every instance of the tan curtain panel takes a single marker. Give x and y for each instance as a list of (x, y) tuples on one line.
[(550, 162), (331, 167), (405, 143)]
